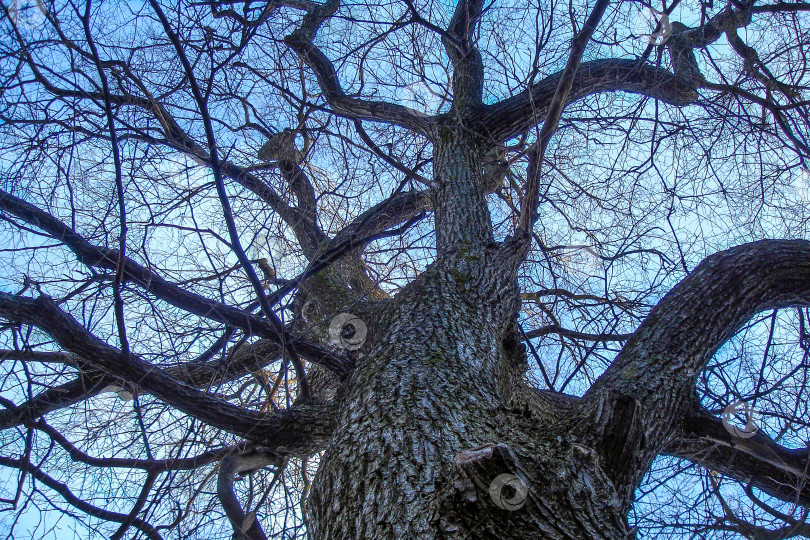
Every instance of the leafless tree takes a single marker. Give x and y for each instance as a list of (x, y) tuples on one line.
[(405, 269)]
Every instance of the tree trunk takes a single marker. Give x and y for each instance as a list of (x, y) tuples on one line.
[(436, 412), (437, 384)]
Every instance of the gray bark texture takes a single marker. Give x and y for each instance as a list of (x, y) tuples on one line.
[(428, 428), (437, 410)]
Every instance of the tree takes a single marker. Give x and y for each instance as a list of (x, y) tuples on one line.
[(494, 270)]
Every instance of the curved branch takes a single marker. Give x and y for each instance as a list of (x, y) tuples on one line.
[(651, 382), (245, 526), (152, 466), (701, 438), (148, 530), (199, 373), (298, 431), (757, 461), (86, 385), (301, 41), (709, 32), (93, 256), (351, 107), (679, 336), (368, 227), (518, 113)]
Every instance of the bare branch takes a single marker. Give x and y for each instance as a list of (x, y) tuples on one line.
[(653, 378), (245, 526), (516, 114), (573, 334), (63, 490), (301, 41), (86, 385), (294, 431), (90, 255), (531, 197), (757, 461), (468, 66)]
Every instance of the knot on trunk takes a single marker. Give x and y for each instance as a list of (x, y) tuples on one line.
[(487, 489)]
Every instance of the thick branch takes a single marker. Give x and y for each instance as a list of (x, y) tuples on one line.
[(782, 7), (91, 255), (759, 461), (397, 209), (659, 365), (703, 439), (708, 33), (468, 66), (301, 41), (298, 431), (245, 526), (685, 329), (518, 113)]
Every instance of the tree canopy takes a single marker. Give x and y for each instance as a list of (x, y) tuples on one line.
[(219, 218)]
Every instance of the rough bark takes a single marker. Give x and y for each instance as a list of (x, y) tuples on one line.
[(434, 412), (402, 462), (436, 383), (420, 425)]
